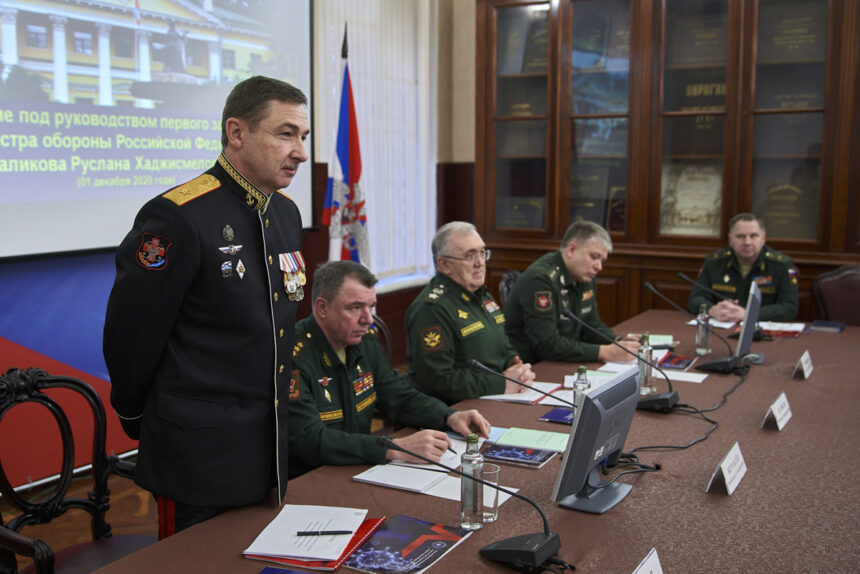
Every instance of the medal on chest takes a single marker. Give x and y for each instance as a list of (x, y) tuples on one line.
[(324, 383), (293, 266)]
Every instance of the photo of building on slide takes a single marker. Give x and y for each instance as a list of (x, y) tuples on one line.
[(179, 54)]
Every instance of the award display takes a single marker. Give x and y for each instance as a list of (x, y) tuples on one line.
[(536, 56), (691, 198)]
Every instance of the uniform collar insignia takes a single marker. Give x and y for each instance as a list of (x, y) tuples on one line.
[(254, 198)]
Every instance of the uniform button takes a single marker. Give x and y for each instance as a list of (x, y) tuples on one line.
[(276, 402), (275, 296), (281, 333), (281, 369), (267, 223), (270, 259)]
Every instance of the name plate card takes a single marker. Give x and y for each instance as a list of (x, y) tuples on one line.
[(778, 414), (729, 473), (803, 368), (650, 565)]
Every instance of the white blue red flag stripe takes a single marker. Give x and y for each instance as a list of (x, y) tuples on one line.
[(344, 209)]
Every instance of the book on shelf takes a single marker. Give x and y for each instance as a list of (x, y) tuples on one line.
[(405, 544), (521, 456)]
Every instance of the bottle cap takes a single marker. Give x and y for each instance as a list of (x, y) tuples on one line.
[(581, 369), (472, 438)]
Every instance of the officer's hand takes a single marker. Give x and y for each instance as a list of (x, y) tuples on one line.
[(429, 443), (467, 422), (728, 311), (612, 354), (521, 372)]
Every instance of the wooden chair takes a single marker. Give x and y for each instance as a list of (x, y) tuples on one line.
[(383, 334), (27, 386), (836, 292), (506, 285)]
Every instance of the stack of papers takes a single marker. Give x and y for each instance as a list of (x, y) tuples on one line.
[(528, 395), (279, 542)]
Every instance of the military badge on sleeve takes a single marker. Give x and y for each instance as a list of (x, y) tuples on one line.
[(543, 301), (295, 386), (792, 275), (152, 253), (431, 339)]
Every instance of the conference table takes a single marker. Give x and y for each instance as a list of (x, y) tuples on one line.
[(797, 509)]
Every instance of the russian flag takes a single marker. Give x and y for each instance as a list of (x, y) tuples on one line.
[(344, 208)]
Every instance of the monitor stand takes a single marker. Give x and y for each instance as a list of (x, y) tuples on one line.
[(596, 500)]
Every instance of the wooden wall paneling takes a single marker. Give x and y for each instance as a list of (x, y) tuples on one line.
[(455, 192)]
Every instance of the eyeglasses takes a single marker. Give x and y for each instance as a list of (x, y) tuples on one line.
[(482, 255)]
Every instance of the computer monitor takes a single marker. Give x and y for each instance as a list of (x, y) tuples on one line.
[(742, 354), (601, 420)]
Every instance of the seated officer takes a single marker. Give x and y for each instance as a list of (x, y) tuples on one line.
[(455, 319), (341, 375), (731, 270), (563, 280)]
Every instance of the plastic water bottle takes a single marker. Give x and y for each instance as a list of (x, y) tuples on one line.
[(471, 492), (581, 383), (703, 331)]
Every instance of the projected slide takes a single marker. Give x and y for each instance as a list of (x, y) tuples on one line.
[(103, 105)]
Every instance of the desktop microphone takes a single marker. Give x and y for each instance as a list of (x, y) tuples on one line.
[(698, 285), (479, 366), (654, 290), (758, 334), (659, 402), (526, 552)]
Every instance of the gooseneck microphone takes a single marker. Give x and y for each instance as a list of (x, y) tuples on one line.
[(479, 366), (698, 285), (659, 402), (654, 290), (527, 551)]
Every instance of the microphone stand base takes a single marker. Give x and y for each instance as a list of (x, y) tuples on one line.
[(659, 402), (526, 553)]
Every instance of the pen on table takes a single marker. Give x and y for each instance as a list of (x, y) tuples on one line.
[(322, 532)]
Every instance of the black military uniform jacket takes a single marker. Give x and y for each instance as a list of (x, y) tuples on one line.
[(446, 326), (774, 273), (198, 339), (332, 403), (536, 324)]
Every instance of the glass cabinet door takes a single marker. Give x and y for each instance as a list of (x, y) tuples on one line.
[(693, 117), (788, 115), (599, 76), (520, 121)]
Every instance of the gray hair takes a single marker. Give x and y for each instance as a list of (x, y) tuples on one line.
[(439, 247), (329, 278), (746, 217), (581, 232)]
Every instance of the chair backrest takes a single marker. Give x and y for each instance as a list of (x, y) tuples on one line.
[(27, 386), (836, 293), (383, 334), (506, 285)]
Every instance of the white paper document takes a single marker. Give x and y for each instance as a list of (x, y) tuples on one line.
[(279, 537), (527, 396), (685, 376), (560, 398), (448, 459), (714, 323), (784, 327), (450, 489), (402, 477)]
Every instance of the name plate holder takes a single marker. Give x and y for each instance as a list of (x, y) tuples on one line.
[(650, 564), (729, 472), (803, 367), (778, 414)]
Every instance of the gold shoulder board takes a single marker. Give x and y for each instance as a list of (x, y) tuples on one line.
[(182, 194)]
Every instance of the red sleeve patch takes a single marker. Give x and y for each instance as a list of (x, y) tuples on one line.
[(295, 386), (152, 253), (543, 300)]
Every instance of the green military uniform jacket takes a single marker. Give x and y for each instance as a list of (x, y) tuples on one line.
[(446, 326), (774, 272), (332, 404), (536, 324)]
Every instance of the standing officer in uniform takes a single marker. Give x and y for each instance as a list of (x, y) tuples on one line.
[(199, 327), (341, 375), (559, 281), (731, 270), (455, 319)]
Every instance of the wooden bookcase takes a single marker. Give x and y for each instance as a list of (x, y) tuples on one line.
[(660, 119)]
